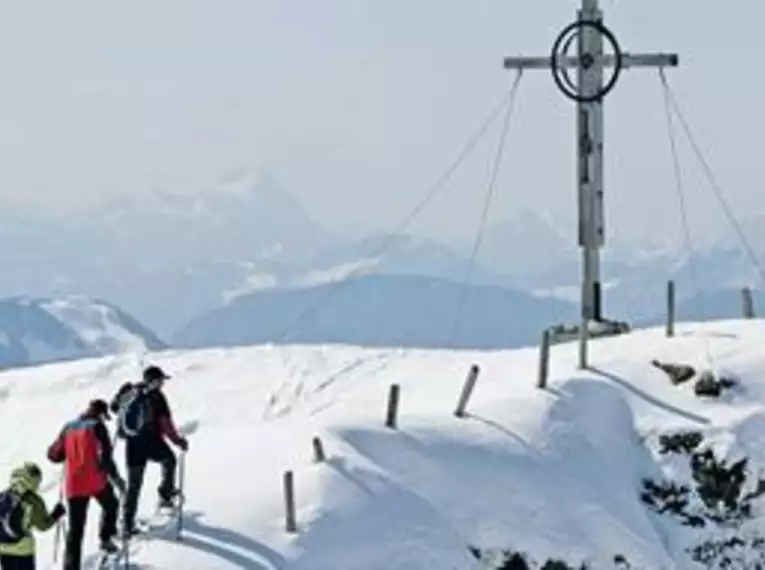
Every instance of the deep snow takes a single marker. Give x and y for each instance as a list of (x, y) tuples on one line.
[(552, 473)]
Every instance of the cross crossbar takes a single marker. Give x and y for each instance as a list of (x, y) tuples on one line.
[(564, 61)]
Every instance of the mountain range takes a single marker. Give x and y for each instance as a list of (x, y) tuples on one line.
[(246, 251), (380, 310)]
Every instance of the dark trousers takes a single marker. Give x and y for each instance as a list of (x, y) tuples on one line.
[(78, 515), (17, 562), (139, 453)]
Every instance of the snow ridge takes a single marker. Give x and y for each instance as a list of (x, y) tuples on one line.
[(551, 474)]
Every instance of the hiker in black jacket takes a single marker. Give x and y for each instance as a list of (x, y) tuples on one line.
[(145, 420)]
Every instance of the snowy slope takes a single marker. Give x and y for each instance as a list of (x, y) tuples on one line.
[(554, 473), (102, 327), (37, 330)]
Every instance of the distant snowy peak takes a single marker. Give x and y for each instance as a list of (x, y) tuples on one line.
[(230, 219), (38, 330), (397, 254), (377, 253), (101, 326), (243, 188), (526, 242)]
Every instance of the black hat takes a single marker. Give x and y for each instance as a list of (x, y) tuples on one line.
[(99, 408), (151, 373)]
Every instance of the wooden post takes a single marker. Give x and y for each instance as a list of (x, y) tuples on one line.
[(583, 338), (467, 390), (289, 502), (670, 309), (747, 302), (318, 450), (392, 414), (544, 360)]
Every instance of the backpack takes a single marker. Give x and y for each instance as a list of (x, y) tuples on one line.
[(132, 413), (11, 517)]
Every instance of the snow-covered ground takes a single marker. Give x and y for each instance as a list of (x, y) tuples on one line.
[(552, 473)]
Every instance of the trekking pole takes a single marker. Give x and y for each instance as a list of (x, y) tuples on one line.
[(181, 478), (125, 545), (60, 522)]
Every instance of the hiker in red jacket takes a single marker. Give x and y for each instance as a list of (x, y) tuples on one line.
[(84, 446)]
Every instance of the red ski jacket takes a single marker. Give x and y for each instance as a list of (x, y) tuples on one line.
[(85, 447)]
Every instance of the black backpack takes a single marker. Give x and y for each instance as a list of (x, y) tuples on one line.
[(133, 412), (11, 517)]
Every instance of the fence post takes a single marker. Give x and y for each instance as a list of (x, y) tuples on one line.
[(583, 337), (289, 502), (318, 450), (747, 302), (670, 309), (467, 390), (392, 413), (544, 360)]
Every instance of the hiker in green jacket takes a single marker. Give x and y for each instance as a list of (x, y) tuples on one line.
[(22, 509)]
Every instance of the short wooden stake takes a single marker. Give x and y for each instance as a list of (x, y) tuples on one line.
[(584, 334), (392, 413), (544, 360), (467, 390), (318, 450), (670, 309), (289, 502), (747, 302)]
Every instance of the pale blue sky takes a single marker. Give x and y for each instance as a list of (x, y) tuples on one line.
[(359, 105)]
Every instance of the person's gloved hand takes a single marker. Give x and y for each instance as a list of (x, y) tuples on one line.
[(183, 443), (58, 511)]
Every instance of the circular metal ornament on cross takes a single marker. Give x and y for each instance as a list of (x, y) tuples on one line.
[(560, 50)]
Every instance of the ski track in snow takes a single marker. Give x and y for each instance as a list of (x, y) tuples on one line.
[(302, 380)]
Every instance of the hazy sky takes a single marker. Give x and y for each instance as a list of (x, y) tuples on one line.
[(359, 105)]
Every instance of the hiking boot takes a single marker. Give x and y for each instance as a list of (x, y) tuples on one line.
[(166, 498), (166, 504), (108, 546), (129, 532)]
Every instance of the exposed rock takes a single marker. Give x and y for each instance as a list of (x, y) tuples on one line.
[(678, 373), (717, 499), (709, 386), (681, 443), (512, 560)]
